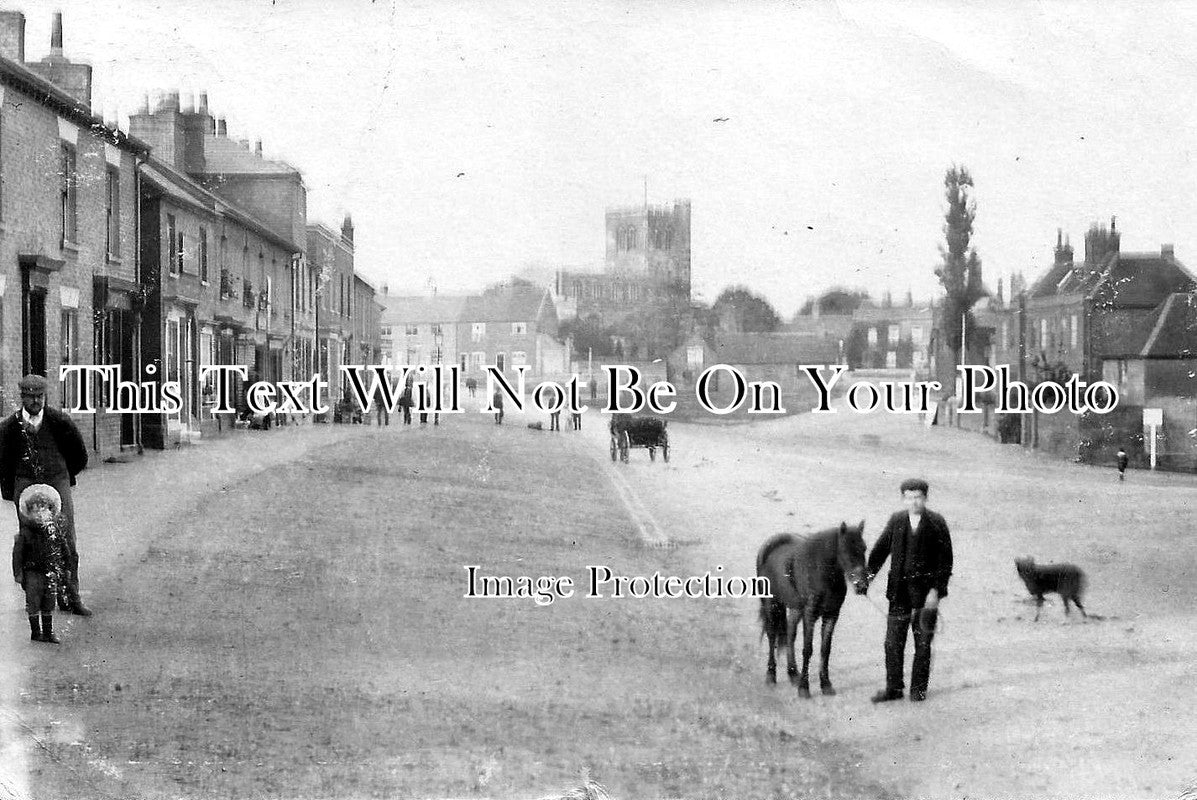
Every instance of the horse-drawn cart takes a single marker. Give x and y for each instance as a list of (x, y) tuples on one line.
[(648, 432)]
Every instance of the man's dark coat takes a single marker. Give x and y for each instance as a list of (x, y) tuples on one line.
[(12, 446), (920, 560)]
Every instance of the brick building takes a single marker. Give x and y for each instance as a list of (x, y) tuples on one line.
[(421, 330), (510, 326), (68, 233), (221, 285), (330, 257), (365, 341)]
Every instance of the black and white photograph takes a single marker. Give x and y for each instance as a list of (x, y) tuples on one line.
[(672, 400)]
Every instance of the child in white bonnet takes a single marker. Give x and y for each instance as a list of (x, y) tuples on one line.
[(39, 557)]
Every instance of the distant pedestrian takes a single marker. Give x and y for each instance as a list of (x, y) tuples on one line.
[(576, 418), (39, 444), (40, 557), (555, 420), (498, 404), (593, 389), (919, 547), (405, 404), (472, 385), (1123, 460), (383, 413)]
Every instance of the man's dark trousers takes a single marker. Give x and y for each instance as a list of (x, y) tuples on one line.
[(901, 619)]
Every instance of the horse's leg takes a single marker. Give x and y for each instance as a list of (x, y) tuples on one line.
[(772, 610), (1038, 606), (791, 635), (824, 669), (1067, 609), (808, 636)]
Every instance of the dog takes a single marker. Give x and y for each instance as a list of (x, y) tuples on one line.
[(1066, 580)]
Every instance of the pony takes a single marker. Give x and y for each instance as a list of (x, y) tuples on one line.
[(807, 574)]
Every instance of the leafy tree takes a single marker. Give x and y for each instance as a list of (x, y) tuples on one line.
[(960, 272), (739, 310), (590, 336), (836, 301)]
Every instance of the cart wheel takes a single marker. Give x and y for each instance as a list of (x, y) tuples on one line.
[(624, 444), (614, 448)]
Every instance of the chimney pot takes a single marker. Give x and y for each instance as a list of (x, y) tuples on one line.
[(201, 106), (222, 127), (1167, 251), (258, 147)]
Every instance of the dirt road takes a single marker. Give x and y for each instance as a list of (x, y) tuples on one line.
[(280, 614)]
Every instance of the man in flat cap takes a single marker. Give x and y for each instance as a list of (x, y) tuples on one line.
[(42, 445), (919, 547)]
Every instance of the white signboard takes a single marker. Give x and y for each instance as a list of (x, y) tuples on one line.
[(1153, 417)]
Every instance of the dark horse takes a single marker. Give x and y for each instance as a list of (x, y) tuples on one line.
[(807, 574)]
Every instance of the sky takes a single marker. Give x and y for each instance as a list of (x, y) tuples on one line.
[(471, 140)]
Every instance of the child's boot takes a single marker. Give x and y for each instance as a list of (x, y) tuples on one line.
[(48, 629), (35, 628)]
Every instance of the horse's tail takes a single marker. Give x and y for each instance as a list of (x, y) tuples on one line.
[(773, 613)]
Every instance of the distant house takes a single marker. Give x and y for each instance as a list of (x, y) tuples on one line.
[(509, 327), (1076, 314), (892, 337), (1157, 368), (757, 356), (421, 330)]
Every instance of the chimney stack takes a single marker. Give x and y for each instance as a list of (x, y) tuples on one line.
[(12, 36), (73, 79), (56, 36), (258, 147), (201, 105), (222, 127), (1168, 252)]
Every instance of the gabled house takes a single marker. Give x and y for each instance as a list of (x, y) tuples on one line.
[(509, 326)]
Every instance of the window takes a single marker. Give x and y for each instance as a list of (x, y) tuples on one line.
[(518, 358), (500, 362), (1043, 342), (478, 331), (1005, 337), (112, 211), (179, 249), (413, 330), (519, 329), (69, 337), (436, 329), (385, 330), (872, 336), (207, 355), (203, 255), (413, 356), (1075, 333), (172, 237), (69, 195), (916, 335), (895, 333), (479, 359)]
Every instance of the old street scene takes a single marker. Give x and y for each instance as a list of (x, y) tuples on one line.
[(946, 252)]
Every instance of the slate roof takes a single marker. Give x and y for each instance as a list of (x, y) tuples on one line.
[(1123, 280), (1172, 332)]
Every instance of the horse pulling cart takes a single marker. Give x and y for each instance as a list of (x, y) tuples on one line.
[(648, 432)]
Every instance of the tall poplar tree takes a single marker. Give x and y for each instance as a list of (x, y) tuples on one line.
[(960, 272)]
